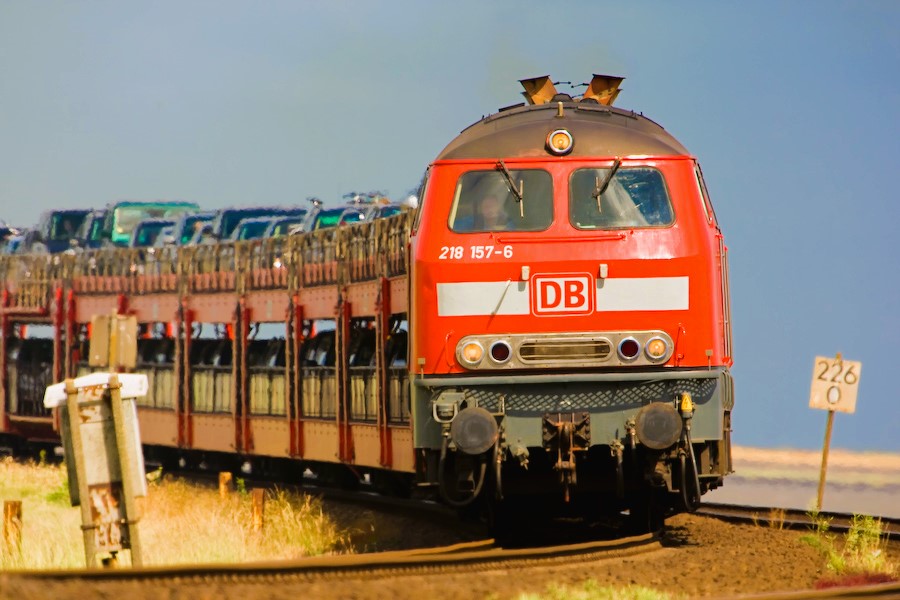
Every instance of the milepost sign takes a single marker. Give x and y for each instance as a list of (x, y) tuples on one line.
[(835, 382)]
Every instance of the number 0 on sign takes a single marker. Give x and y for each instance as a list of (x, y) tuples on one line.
[(834, 384)]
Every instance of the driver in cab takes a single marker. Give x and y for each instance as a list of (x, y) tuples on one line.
[(489, 215)]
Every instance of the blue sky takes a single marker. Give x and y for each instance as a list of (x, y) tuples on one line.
[(791, 107)]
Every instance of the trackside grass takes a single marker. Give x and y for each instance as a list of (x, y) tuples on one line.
[(859, 558), (591, 590), (180, 523)]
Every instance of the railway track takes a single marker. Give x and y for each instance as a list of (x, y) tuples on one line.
[(477, 560), (790, 518), (470, 561), (465, 557), (785, 518)]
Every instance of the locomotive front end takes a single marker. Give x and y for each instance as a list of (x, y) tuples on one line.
[(569, 313)]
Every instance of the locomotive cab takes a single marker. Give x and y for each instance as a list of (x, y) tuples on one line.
[(569, 311)]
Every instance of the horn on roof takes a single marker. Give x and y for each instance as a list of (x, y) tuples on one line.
[(603, 89), (538, 90)]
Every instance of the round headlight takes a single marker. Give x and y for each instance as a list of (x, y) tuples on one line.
[(474, 430), (657, 349), (471, 353), (560, 142)]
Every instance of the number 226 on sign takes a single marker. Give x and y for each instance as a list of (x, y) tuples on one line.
[(835, 382)]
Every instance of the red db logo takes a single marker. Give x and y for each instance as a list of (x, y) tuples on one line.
[(566, 294)]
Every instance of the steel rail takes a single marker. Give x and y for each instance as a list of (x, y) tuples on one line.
[(472, 556), (790, 518)]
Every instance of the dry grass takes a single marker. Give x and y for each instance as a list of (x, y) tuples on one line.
[(591, 590), (776, 518), (50, 526), (180, 523)]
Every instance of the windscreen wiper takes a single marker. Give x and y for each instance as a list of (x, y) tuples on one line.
[(517, 191), (602, 185)]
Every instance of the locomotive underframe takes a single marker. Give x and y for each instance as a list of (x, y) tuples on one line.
[(593, 449)]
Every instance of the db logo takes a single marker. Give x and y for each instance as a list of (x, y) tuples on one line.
[(564, 294)]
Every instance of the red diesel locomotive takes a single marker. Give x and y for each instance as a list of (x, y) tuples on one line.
[(549, 329), (569, 300)]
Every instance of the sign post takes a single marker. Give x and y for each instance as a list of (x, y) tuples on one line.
[(835, 382), (102, 446)]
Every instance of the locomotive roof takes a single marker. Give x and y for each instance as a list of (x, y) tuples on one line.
[(598, 130)]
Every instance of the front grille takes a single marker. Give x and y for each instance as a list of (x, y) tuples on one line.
[(542, 351), (586, 396)]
